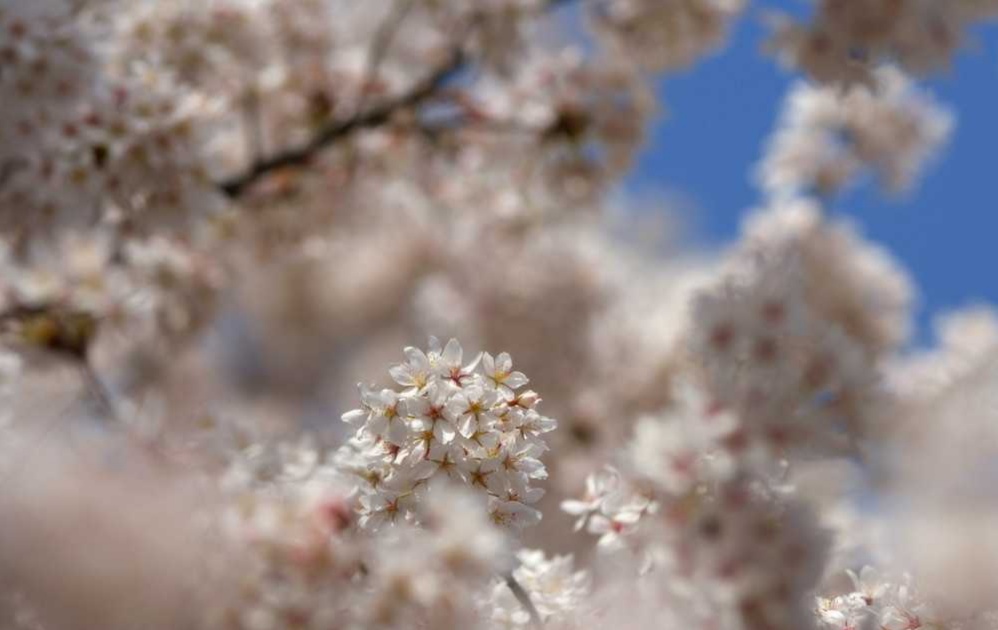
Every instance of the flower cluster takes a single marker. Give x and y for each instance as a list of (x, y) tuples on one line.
[(799, 365), (463, 421), (713, 528), (305, 564), (216, 214), (609, 508), (570, 102), (665, 34), (88, 142), (215, 49), (556, 589), (844, 37), (877, 602), (146, 289), (795, 383), (828, 136)]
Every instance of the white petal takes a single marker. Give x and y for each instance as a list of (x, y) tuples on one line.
[(487, 363), (401, 374), (575, 507), (452, 353), (598, 524), (356, 417), (444, 432), (516, 379)]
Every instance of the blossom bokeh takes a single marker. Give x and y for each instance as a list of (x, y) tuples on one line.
[(324, 314), (941, 234)]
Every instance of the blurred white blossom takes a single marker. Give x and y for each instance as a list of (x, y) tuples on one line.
[(217, 216)]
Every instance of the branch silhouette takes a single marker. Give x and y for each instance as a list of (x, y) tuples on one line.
[(374, 116)]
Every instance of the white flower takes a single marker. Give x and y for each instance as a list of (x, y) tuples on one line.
[(472, 410), (499, 374), (835, 613), (385, 420), (518, 488), (448, 364), (385, 506), (451, 421), (512, 513), (905, 610), (868, 584), (557, 591), (598, 487), (430, 413), (532, 425), (415, 372), (521, 457), (446, 458), (612, 529)]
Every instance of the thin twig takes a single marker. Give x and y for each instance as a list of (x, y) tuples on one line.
[(253, 123), (381, 44), (36, 441), (523, 597), (373, 117), (98, 390)]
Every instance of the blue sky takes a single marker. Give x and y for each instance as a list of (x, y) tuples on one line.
[(945, 232)]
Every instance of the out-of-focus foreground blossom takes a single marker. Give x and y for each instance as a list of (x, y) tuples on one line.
[(219, 217)]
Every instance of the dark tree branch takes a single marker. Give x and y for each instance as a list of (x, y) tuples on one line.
[(523, 597), (458, 124), (363, 118), (372, 117)]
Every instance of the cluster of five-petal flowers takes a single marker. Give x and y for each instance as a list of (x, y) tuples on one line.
[(465, 421)]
